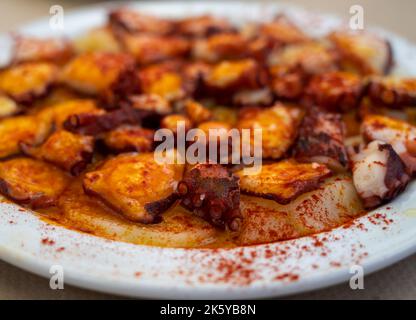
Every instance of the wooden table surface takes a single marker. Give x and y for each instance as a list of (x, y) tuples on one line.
[(395, 282)]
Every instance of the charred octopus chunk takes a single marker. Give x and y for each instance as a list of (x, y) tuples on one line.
[(379, 174), (335, 91), (213, 193)]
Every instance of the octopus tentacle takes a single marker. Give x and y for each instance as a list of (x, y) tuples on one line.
[(212, 192)]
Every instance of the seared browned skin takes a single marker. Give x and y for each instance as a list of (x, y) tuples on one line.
[(28, 81), (57, 113), (135, 110), (379, 174), (362, 52), (8, 107), (202, 26), (126, 20), (100, 39), (172, 122), (239, 74), (135, 185), (27, 129), (32, 182), (30, 49), (288, 82), (279, 126), (129, 138), (335, 91), (311, 57), (223, 46), (212, 192), (281, 31), (399, 134), (111, 75), (196, 112), (393, 92), (89, 214), (70, 152), (321, 139), (151, 103), (283, 181), (93, 124), (139, 73), (330, 205)]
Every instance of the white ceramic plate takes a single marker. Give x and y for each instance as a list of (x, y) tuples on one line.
[(373, 241)]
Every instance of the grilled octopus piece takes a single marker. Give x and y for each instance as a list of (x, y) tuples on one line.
[(68, 151), (288, 82), (92, 124), (31, 49), (283, 31), (283, 181), (32, 182), (135, 185), (335, 91), (321, 139), (135, 110), (279, 125), (379, 174), (151, 48), (164, 79), (130, 21), (363, 53), (128, 138), (393, 92), (203, 26), (212, 192)]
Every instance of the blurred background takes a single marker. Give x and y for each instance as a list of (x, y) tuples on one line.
[(396, 15)]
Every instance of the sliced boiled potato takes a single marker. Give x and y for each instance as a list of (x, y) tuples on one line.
[(329, 206), (179, 228)]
